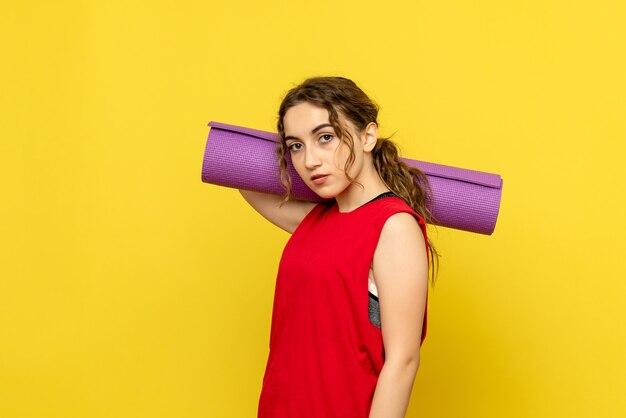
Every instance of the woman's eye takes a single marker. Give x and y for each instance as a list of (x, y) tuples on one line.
[(326, 138), (295, 147)]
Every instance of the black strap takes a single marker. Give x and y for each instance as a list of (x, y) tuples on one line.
[(383, 195)]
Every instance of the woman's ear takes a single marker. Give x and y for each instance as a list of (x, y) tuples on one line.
[(370, 137)]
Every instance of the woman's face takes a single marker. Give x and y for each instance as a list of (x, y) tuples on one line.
[(317, 154)]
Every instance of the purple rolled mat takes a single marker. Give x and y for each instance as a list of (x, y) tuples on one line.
[(245, 158)]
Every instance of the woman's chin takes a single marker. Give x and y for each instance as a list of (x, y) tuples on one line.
[(324, 194)]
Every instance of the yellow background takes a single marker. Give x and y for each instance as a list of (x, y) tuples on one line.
[(129, 288)]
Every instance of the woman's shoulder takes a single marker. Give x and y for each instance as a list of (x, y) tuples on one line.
[(393, 205)]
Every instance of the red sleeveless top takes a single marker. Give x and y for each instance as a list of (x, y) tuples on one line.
[(325, 353)]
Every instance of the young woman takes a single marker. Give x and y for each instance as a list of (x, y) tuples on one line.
[(350, 301)]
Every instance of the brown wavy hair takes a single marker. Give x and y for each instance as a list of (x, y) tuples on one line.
[(340, 95)]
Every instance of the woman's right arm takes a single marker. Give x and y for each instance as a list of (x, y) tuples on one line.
[(287, 216)]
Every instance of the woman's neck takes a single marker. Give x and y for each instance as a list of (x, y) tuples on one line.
[(355, 195)]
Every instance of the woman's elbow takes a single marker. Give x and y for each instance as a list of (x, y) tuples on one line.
[(405, 362)]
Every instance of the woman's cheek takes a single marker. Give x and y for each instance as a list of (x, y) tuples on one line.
[(298, 164), (341, 156)]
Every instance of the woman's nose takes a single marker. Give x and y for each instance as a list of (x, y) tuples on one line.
[(311, 158)]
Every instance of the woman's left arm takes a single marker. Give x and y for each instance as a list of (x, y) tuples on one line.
[(400, 268)]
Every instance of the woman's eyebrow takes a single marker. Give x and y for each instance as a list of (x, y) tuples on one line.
[(317, 128)]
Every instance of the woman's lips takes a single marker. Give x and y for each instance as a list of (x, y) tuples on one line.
[(319, 179)]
